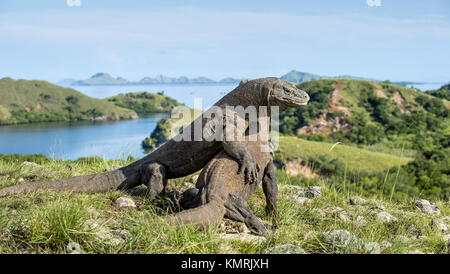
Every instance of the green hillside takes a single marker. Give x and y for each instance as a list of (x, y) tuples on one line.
[(24, 101), (356, 159), (144, 102), (443, 92), (364, 112)]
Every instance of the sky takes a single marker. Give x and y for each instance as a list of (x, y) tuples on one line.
[(383, 39)]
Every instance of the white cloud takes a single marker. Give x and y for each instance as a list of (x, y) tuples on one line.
[(73, 3), (373, 3)]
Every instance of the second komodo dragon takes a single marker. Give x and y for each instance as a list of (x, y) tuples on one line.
[(221, 192)]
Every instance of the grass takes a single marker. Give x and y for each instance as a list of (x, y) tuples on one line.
[(357, 159), (45, 222)]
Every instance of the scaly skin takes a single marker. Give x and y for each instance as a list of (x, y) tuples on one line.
[(221, 192), (176, 159)]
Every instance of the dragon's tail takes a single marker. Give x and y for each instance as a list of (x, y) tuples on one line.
[(100, 182), (204, 215)]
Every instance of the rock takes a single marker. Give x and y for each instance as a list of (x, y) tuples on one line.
[(300, 200), (342, 239), (124, 202), (105, 234), (332, 210), (73, 248), (284, 249), (426, 207), (373, 248), (355, 200), (378, 207), (243, 237), (360, 221), (438, 225), (30, 164), (309, 192), (313, 191), (344, 217), (20, 180), (338, 239), (194, 179), (386, 217)]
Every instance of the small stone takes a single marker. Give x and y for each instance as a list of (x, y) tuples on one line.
[(243, 237), (123, 202), (343, 216), (355, 200), (30, 164), (20, 180), (73, 248), (386, 217), (309, 192), (300, 200), (436, 224), (360, 221), (342, 239), (332, 210), (426, 207), (123, 234), (378, 207), (284, 249), (373, 248), (313, 191), (194, 179)]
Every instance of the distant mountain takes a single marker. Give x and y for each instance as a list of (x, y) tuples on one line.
[(102, 79), (300, 77), (106, 79), (66, 82)]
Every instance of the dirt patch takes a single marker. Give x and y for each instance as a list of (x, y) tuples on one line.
[(28, 109), (38, 106), (379, 92), (296, 166), (325, 124), (398, 98)]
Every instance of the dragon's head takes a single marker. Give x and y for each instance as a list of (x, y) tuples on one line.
[(281, 93)]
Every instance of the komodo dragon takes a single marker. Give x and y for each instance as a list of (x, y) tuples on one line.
[(221, 192), (176, 159)]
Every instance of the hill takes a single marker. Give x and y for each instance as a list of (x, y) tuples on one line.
[(106, 79), (300, 77), (102, 79), (443, 92), (366, 112), (144, 102), (24, 101)]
